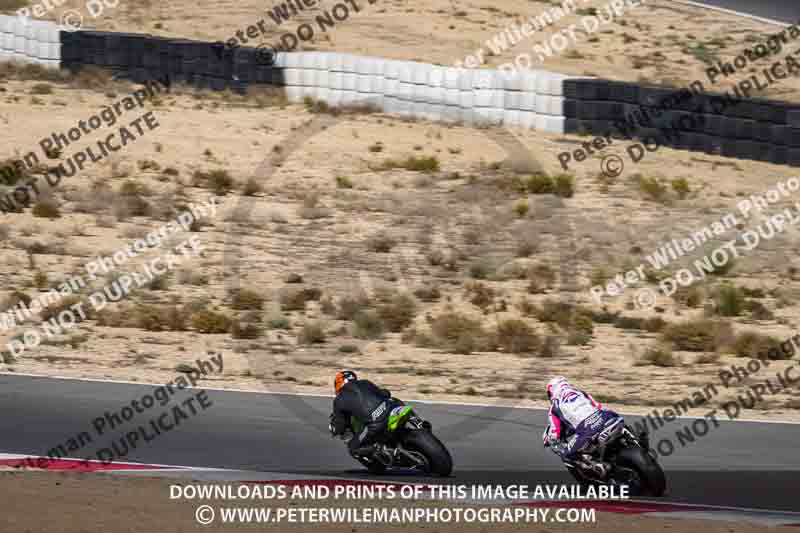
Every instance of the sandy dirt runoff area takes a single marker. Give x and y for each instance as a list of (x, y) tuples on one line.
[(442, 261), (77, 503)]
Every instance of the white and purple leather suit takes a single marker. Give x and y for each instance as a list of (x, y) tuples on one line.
[(575, 418)]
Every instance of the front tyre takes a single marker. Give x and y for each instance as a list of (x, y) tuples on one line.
[(440, 462), (653, 480)]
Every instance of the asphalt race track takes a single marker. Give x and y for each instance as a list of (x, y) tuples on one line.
[(779, 10), (741, 464)]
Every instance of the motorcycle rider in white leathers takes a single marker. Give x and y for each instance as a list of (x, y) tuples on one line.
[(575, 418)]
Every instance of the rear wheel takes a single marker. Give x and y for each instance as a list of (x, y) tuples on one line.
[(651, 479), (440, 462)]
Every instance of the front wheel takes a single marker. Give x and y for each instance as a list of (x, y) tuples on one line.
[(652, 481), (439, 460)]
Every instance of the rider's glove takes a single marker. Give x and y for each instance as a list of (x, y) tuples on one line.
[(549, 437)]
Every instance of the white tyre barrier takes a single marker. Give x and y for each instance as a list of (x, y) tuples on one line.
[(294, 94), (465, 79), (323, 94), (335, 62), (528, 101), (349, 81), (420, 73), (452, 97), (336, 97), (280, 59), (527, 120), (512, 117), (27, 40), (467, 99), (308, 77), (452, 77), (512, 100), (293, 76), (451, 113), (349, 63), (293, 61)]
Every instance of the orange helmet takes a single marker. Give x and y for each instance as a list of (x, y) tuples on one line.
[(343, 377)]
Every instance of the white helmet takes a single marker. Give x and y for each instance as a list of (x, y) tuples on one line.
[(555, 385)]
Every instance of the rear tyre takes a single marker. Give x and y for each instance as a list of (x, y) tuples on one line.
[(440, 462), (653, 480)]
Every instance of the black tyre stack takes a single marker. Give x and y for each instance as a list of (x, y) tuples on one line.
[(752, 128)]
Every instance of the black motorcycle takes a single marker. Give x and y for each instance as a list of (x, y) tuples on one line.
[(619, 457), (407, 442)]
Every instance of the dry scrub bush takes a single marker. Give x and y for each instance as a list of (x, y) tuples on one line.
[(245, 299), (758, 346), (652, 324), (131, 201), (312, 333), (455, 333), (516, 336), (397, 311), (240, 330), (15, 298), (46, 208), (413, 163), (367, 324), (159, 317), (729, 300), (64, 304), (211, 322), (570, 317), (219, 181), (293, 299), (381, 242), (698, 336), (658, 356), (480, 294), (349, 306)]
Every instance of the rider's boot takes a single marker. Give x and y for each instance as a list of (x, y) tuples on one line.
[(368, 450), (598, 468), (375, 452)]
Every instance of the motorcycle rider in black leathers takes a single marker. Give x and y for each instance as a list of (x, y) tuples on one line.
[(367, 403)]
